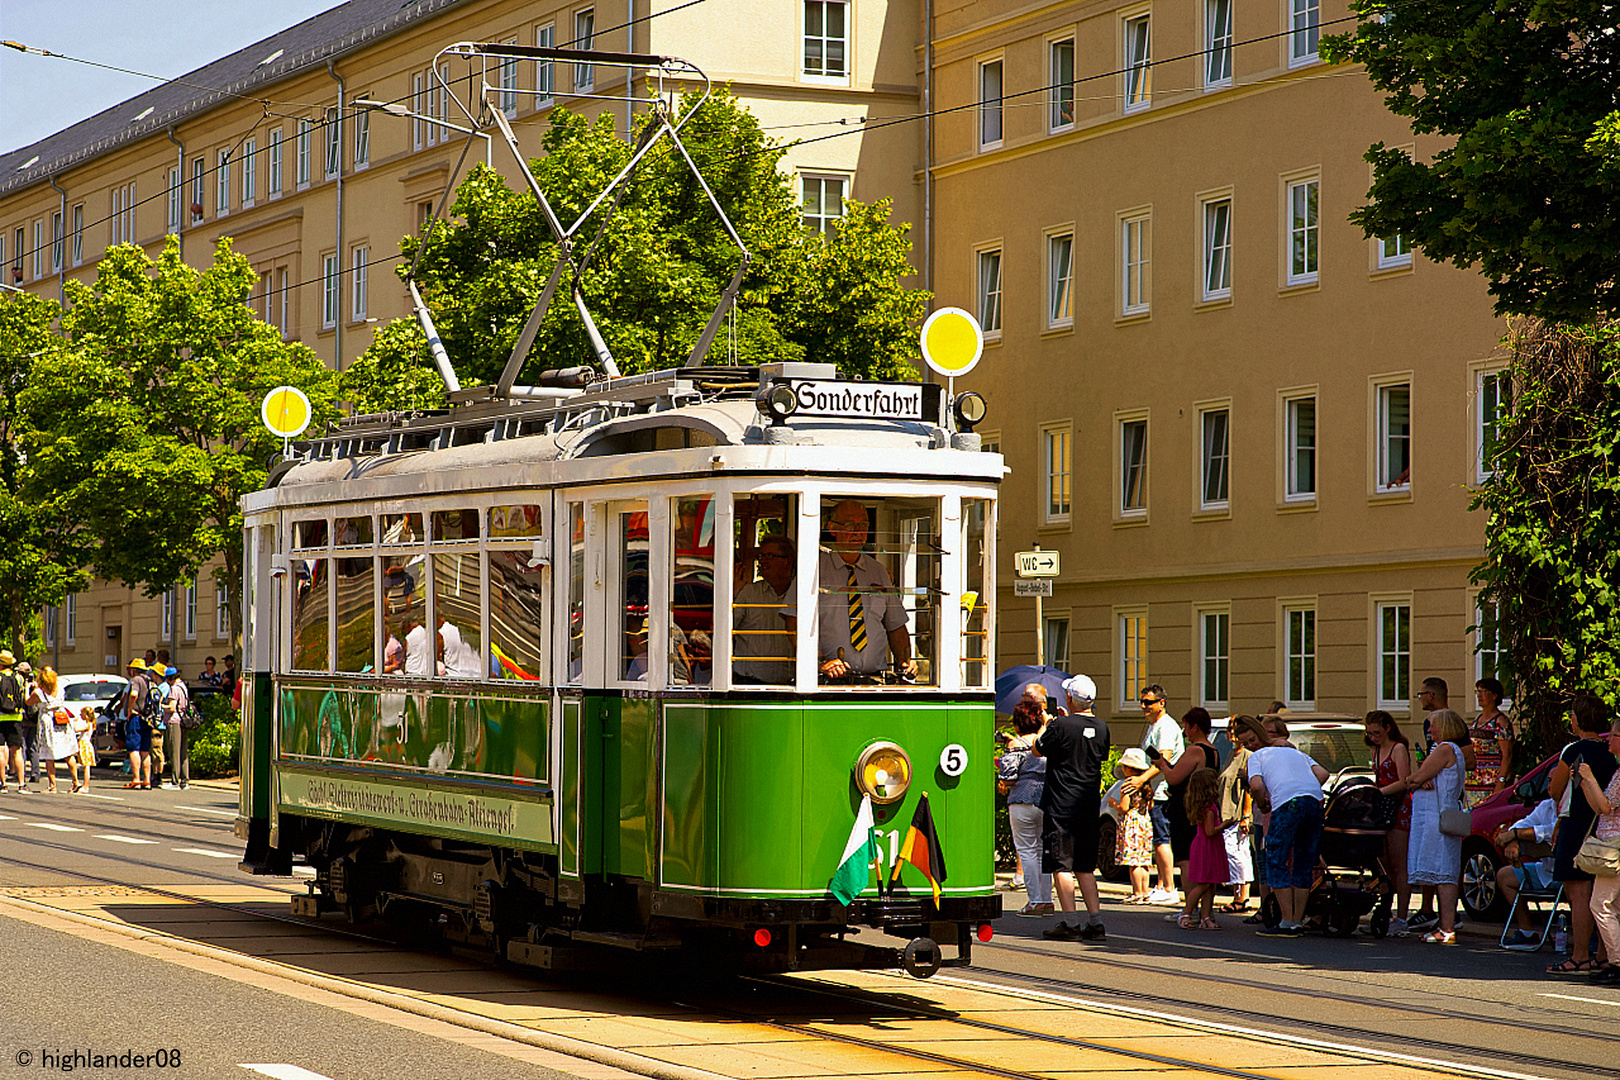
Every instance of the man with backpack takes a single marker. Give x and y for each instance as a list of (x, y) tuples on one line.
[(139, 704), (11, 722)]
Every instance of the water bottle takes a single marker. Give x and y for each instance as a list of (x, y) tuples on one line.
[(1561, 934)]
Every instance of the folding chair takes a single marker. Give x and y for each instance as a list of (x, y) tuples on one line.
[(1552, 896)]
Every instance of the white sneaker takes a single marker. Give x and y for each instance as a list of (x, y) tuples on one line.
[(1161, 896)]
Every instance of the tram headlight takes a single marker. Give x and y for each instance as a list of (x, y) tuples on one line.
[(968, 408), (883, 772), (778, 401)]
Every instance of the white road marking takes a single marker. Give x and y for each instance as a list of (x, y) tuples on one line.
[(109, 798), (210, 854), (51, 825), (115, 838), (205, 810), (1593, 1001), (284, 1072), (7, 817)]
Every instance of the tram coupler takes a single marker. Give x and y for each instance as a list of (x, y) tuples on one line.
[(313, 904)]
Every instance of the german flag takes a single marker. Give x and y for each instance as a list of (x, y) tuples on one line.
[(921, 848)]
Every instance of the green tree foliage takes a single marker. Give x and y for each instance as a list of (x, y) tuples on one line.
[(1527, 89), (660, 267), (38, 562), (144, 421)]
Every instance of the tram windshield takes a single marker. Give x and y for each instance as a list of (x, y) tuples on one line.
[(762, 646)]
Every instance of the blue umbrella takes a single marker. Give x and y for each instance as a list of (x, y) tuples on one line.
[(1010, 686)]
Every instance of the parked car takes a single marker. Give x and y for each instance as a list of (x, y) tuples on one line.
[(1481, 857), (97, 691), (1332, 740)]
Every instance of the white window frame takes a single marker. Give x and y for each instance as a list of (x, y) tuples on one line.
[(1300, 696), (176, 196), (222, 184), (1292, 489), (166, 631), (250, 172), (584, 38), (1057, 473), (1304, 31), (1393, 252), (275, 164), (1219, 652), (222, 611), (58, 238), (1485, 633), (1050, 623), (1206, 419), (72, 630), (49, 625), (1399, 649), (362, 138), (283, 305), (825, 223), (1060, 279), (39, 247), (1135, 263), (1132, 650), (1124, 421), (1302, 219), (805, 37), (991, 112), (1217, 65), (545, 74), (357, 290), (199, 193), (991, 311), (1217, 248), (190, 620), (331, 294), (509, 83), (1385, 478), (306, 149), (419, 106), (1060, 85), (1136, 59), (1489, 382), (334, 143), (78, 235)]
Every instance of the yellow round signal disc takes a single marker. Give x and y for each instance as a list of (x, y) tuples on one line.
[(286, 412), (952, 341)]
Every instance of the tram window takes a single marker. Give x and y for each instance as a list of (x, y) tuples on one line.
[(454, 525), (405, 636), (879, 585), (310, 607), (632, 582), (309, 534), (975, 598), (762, 646), (517, 521), (457, 585), (356, 614), (402, 529), (576, 590), (691, 601), (352, 531), (516, 618)]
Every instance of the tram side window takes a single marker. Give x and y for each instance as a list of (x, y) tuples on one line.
[(405, 636), (576, 591), (457, 587), (631, 536), (691, 602), (975, 598), (878, 590), (762, 646), (518, 522), (356, 614), (404, 529), (310, 607), (516, 617), (309, 534), (455, 525), (352, 532)]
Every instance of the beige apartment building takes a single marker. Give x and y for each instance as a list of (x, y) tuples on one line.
[(267, 146), (1251, 433)]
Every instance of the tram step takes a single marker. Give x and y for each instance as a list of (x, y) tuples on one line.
[(546, 957), (623, 941)]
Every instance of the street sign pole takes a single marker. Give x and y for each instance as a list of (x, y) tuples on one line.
[(1042, 566), (1040, 629)]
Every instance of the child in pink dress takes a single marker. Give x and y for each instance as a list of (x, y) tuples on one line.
[(1206, 863)]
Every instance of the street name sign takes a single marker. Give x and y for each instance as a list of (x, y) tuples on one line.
[(1033, 587), (1037, 564)]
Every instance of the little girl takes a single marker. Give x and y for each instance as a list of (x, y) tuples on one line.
[(1133, 844), (84, 728), (1206, 865)]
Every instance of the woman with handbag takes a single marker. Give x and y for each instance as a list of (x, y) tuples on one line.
[(1599, 855), (1590, 720), (1434, 850), (1023, 775)]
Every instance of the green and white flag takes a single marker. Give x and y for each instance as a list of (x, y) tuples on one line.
[(855, 868)]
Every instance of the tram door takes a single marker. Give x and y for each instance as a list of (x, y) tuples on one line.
[(627, 719)]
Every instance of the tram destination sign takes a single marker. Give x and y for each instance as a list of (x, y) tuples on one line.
[(867, 400)]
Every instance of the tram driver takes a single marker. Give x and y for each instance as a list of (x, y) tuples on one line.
[(861, 615)]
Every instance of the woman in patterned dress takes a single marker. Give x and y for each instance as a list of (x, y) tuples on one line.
[(1133, 843), (1492, 735), (1392, 763)]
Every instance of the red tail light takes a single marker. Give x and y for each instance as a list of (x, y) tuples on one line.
[(762, 937), (985, 933)]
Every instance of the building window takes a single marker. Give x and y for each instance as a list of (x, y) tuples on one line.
[(439, 98), (1300, 448), (222, 185), (823, 204), (78, 225), (359, 283), (1217, 43), (1060, 280), (1133, 673), (191, 611), (1218, 249), (419, 103), (329, 291), (1304, 28), (362, 134), (826, 39), (1138, 63), (57, 236), (1395, 437), (1488, 641), (1060, 83), (72, 618), (282, 294), (1493, 394), (305, 152), (1214, 657), (990, 292), (584, 36), (222, 611), (1299, 681), (1302, 231), (1057, 468), (509, 80), (1055, 643), (39, 248), (177, 192), (129, 212), (17, 253), (50, 626), (1133, 470), (1393, 252), (199, 170), (990, 105), (1136, 252), (544, 81), (250, 172), (1394, 656), (166, 633), (334, 143), (1214, 459), (275, 162)]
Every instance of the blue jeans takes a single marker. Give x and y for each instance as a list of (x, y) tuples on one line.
[(1291, 842)]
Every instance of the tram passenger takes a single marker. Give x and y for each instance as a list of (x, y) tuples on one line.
[(459, 660), (862, 618), (418, 657), (762, 645)]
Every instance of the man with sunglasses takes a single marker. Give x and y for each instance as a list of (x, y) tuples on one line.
[(1163, 744)]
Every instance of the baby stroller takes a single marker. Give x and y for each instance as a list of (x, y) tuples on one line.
[(1351, 879)]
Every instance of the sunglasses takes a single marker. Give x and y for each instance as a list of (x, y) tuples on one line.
[(1150, 701)]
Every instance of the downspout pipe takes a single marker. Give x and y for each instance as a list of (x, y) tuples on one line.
[(928, 145), (337, 329), (61, 270), (180, 226)]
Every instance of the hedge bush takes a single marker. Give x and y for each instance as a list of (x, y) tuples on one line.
[(216, 747)]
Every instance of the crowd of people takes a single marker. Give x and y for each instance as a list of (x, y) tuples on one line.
[(40, 729), (1256, 821)]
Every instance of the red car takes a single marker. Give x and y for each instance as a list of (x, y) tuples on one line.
[(1481, 857)]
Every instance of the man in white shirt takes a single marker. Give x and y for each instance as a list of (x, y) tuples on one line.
[(1290, 783), (418, 657), (762, 647), (1164, 734), (862, 619), (1537, 826), (460, 661)]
